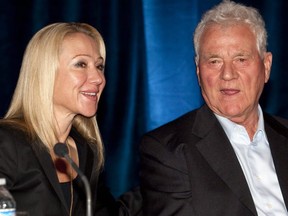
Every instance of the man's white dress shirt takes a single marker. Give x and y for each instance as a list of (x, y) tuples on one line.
[(257, 164)]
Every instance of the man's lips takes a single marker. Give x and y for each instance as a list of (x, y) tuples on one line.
[(229, 91)]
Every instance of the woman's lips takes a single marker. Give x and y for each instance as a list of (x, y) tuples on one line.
[(90, 95)]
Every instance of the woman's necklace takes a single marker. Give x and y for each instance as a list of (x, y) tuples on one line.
[(71, 181), (61, 168)]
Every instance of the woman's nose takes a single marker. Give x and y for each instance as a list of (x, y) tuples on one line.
[(96, 76)]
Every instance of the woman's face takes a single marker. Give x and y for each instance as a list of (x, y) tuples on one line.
[(80, 79)]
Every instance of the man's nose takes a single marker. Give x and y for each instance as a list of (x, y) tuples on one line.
[(228, 71)]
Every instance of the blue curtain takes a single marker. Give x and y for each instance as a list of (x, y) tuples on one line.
[(122, 110), (150, 64), (172, 87)]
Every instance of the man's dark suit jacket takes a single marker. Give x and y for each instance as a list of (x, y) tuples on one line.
[(32, 179), (189, 168)]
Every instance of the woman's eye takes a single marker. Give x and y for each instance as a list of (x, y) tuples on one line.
[(81, 64), (100, 67)]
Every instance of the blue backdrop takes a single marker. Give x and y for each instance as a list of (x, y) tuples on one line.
[(150, 64)]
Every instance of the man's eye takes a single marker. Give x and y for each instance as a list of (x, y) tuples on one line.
[(214, 62), (241, 59)]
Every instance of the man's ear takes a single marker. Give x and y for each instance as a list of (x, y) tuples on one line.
[(197, 69), (267, 64)]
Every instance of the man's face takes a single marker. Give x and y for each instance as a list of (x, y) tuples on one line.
[(231, 72)]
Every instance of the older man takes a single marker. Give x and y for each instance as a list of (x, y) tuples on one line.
[(227, 158)]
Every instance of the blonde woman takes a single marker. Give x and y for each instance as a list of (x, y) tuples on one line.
[(56, 100)]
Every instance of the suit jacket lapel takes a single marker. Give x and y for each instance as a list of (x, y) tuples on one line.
[(49, 170), (278, 140), (87, 164), (217, 150)]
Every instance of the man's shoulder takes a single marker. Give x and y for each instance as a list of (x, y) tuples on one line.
[(183, 121), (275, 119), (277, 123), (182, 129), (282, 120)]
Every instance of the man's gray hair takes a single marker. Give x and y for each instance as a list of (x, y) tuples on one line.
[(229, 13)]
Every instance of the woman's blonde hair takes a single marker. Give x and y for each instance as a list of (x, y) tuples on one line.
[(32, 102)]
